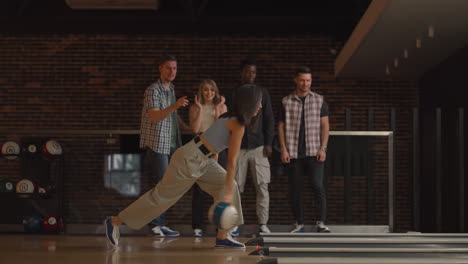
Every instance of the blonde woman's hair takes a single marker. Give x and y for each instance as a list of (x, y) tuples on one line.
[(217, 97)]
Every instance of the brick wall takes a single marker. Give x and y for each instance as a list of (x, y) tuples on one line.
[(96, 81)]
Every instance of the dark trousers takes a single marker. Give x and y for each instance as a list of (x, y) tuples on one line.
[(155, 166), (297, 170), (198, 197)]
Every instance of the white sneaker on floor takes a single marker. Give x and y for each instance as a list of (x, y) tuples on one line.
[(197, 232), (228, 242), (112, 232), (157, 231), (162, 231), (298, 229), (320, 227), (264, 229)]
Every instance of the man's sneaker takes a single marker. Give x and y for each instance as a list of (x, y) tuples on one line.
[(228, 242), (234, 231), (321, 228), (197, 232), (264, 229), (298, 229), (112, 232), (164, 231)]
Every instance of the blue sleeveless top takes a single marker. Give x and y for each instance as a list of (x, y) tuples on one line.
[(218, 134)]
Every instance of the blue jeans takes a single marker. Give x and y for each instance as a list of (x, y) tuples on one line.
[(155, 166)]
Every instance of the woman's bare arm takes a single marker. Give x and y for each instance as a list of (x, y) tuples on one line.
[(237, 132)]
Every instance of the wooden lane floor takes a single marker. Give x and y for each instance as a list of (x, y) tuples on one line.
[(39, 249), (360, 242)]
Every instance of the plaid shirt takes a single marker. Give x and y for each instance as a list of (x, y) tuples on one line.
[(293, 110), (157, 136)]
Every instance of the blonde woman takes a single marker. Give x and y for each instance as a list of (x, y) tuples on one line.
[(208, 106)]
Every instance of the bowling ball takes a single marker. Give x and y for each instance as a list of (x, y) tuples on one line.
[(52, 149), (50, 223), (223, 215), (31, 149), (45, 191), (11, 150), (9, 186), (25, 188), (33, 224)]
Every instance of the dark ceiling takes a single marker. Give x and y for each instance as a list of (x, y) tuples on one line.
[(335, 18)]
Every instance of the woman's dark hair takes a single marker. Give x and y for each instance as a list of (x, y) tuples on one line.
[(245, 101)]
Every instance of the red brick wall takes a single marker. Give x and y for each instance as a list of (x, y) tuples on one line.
[(96, 81)]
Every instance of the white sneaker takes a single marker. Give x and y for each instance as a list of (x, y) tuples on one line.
[(157, 231), (264, 229), (228, 242), (298, 229), (197, 232), (112, 232), (234, 231), (320, 227), (162, 231)]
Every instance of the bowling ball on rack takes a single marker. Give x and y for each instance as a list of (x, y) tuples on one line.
[(33, 224), (9, 186), (51, 224), (31, 149), (25, 188), (45, 191), (52, 149), (6, 186), (11, 150)]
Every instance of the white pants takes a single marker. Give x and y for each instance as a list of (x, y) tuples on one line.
[(260, 170)]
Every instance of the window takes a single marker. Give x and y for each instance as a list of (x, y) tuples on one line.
[(123, 173)]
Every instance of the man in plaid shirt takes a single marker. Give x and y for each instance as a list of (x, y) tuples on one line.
[(303, 130), (160, 133)]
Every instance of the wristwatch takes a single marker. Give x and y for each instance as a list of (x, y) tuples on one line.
[(324, 149)]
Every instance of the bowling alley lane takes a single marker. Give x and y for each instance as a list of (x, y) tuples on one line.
[(57, 249)]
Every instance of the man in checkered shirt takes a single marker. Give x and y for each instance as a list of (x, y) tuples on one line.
[(303, 130), (160, 133)]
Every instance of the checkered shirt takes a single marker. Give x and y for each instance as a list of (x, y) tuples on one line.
[(293, 110), (157, 136)]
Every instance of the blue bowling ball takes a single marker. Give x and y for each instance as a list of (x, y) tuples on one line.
[(33, 224), (223, 215)]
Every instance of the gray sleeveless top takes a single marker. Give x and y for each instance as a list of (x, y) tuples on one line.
[(218, 134)]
